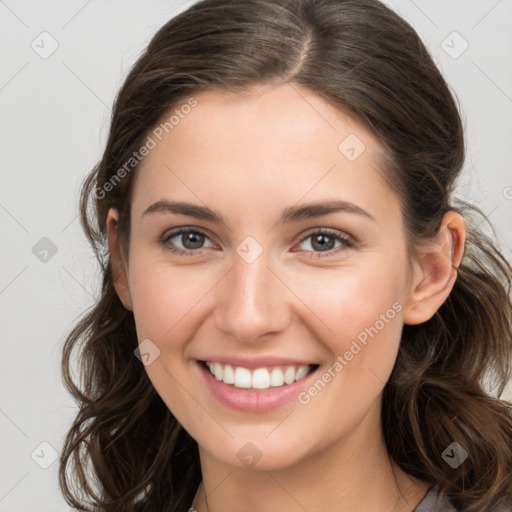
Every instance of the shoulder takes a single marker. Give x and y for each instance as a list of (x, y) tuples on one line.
[(434, 501)]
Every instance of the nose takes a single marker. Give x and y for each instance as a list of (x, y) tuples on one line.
[(253, 301)]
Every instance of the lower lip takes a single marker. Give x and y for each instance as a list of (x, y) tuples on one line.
[(253, 401)]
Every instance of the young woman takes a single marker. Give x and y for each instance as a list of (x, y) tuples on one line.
[(296, 313)]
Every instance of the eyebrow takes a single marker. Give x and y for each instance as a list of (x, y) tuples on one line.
[(291, 214)]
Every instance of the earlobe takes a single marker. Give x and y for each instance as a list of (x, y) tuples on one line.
[(435, 271), (119, 270)]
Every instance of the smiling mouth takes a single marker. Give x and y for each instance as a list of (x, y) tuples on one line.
[(260, 378)]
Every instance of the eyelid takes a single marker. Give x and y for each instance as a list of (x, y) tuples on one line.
[(330, 231), (171, 233)]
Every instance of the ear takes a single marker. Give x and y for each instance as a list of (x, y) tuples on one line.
[(119, 267), (435, 270)]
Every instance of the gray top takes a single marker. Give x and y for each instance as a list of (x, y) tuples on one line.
[(433, 501)]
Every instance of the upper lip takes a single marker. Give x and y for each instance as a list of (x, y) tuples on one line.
[(257, 362)]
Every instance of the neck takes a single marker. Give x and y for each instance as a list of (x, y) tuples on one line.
[(354, 473)]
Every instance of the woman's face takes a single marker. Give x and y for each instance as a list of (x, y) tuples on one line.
[(272, 286)]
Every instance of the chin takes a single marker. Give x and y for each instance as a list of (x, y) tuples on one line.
[(258, 454)]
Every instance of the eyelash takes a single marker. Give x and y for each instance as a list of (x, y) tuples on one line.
[(347, 242)]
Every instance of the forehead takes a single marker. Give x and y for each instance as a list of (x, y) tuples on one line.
[(270, 145)]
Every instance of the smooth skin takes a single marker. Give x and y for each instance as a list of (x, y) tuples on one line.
[(249, 157)]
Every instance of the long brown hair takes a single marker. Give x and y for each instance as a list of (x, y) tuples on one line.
[(125, 449)]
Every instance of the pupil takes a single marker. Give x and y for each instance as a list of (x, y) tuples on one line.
[(193, 238), (323, 245)]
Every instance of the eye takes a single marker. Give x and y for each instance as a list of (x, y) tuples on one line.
[(191, 239), (324, 241)]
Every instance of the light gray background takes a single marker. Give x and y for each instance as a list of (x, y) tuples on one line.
[(54, 122)]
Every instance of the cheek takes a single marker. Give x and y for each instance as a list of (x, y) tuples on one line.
[(165, 300), (168, 310), (348, 300), (362, 308)]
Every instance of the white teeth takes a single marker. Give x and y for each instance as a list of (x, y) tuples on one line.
[(229, 375), (242, 378), (289, 375), (260, 378), (217, 371), (301, 372), (276, 378)]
